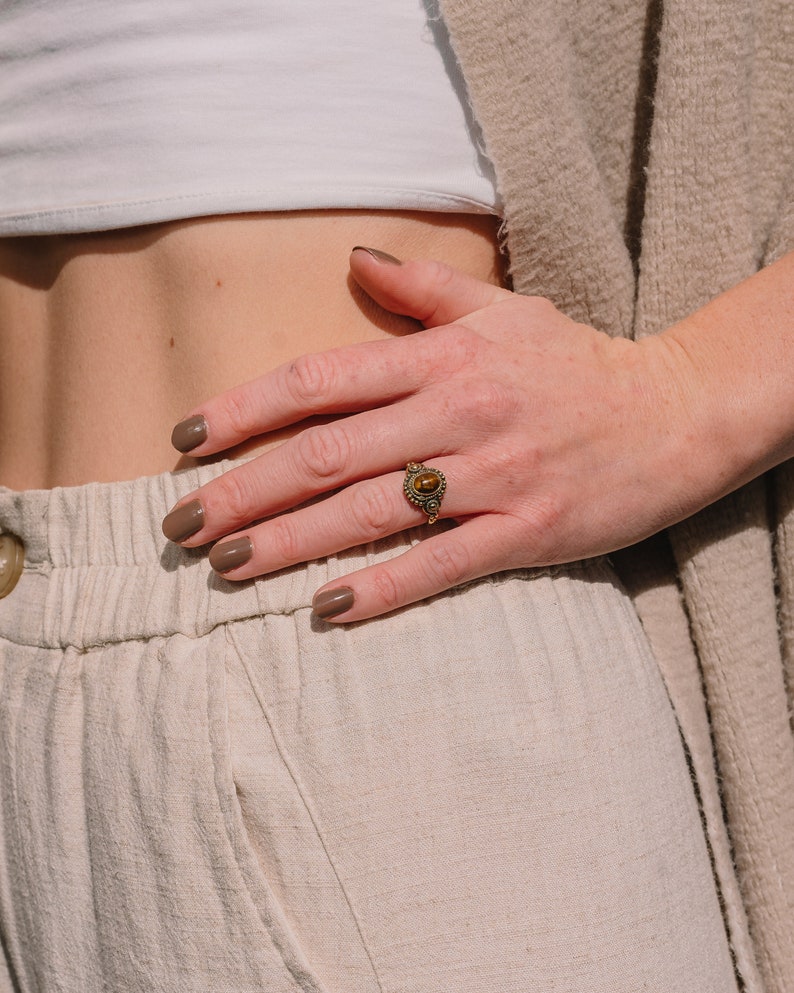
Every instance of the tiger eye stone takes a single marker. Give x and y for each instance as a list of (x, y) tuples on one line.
[(426, 482)]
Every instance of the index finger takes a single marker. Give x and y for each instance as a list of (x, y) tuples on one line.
[(339, 381)]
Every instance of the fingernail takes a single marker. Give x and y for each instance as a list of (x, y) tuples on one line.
[(378, 255), (183, 521), (228, 555), (329, 603), (190, 433)]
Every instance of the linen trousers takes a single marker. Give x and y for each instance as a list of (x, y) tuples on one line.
[(205, 788)]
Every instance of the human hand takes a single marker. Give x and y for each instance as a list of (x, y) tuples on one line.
[(557, 443)]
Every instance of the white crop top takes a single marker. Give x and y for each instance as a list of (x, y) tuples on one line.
[(122, 112)]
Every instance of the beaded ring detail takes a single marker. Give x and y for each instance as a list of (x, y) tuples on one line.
[(424, 487)]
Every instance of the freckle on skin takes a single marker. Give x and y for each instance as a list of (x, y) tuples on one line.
[(171, 343), (218, 282)]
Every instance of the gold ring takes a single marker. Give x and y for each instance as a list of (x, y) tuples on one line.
[(424, 487)]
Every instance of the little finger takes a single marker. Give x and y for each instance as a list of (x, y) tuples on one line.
[(481, 545)]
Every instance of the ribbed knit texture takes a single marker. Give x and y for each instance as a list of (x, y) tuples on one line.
[(630, 214)]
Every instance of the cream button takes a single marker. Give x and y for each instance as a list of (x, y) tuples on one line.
[(12, 559)]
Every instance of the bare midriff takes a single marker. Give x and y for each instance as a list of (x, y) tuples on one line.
[(108, 339)]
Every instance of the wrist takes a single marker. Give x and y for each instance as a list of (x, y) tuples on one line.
[(730, 380)]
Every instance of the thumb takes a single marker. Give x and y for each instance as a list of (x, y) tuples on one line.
[(431, 292)]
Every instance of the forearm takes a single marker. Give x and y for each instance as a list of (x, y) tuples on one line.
[(733, 363)]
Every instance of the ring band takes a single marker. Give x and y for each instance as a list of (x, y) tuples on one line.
[(424, 487)]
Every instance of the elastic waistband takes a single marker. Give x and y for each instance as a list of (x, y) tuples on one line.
[(98, 568)]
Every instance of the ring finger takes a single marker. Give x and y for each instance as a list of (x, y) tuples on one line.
[(362, 512)]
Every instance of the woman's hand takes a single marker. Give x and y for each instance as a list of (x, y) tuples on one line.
[(557, 443)]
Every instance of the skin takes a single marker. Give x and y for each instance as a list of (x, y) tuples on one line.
[(557, 442), (109, 337)]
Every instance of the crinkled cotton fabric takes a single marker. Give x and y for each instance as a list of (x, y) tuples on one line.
[(203, 787)]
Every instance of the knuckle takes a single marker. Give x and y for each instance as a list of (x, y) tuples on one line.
[(545, 311), (442, 273), (458, 346), (481, 402), (374, 511), (239, 413), (448, 562), (311, 377), (325, 452), (439, 275), (492, 403), (284, 539), (544, 529), (387, 590), (446, 350), (233, 494), (542, 304), (510, 466)]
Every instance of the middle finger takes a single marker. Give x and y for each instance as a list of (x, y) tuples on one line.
[(317, 460)]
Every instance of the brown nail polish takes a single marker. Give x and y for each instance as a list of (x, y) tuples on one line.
[(183, 521), (190, 433), (329, 603), (228, 555), (378, 255)]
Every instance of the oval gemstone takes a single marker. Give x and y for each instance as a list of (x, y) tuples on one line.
[(427, 482)]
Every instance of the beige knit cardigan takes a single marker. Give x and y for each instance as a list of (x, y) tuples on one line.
[(644, 150)]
